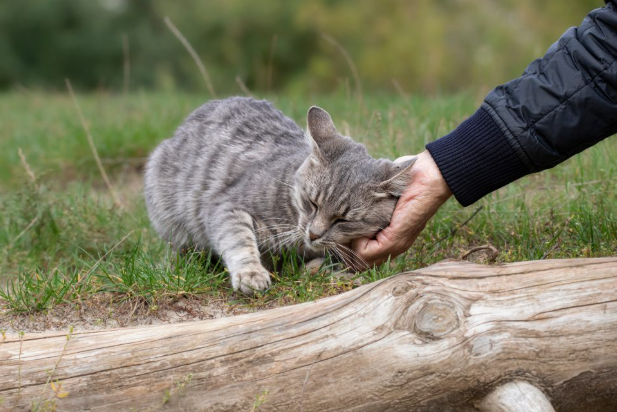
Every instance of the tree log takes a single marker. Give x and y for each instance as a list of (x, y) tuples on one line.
[(443, 338)]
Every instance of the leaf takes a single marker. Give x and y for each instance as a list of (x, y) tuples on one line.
[(62, 395), (53, 387)]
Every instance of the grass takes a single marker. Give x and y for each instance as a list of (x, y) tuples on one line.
[(63, 240)]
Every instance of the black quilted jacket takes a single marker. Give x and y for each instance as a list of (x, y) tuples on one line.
[(562, 104)]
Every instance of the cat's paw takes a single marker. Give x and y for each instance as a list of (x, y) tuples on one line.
[(248, 281)]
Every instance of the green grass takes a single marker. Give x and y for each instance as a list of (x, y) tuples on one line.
[(62, 239)]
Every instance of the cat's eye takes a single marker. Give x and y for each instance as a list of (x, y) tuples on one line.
[(339, 220), (313, 204)]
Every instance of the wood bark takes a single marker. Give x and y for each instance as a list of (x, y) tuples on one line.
[(443, 338)]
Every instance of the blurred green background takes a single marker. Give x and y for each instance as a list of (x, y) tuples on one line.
[(421, 46)]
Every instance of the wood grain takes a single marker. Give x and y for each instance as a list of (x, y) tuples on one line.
[(437, 339)]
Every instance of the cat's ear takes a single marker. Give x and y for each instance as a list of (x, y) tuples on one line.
[(400, 172), (320, 125)]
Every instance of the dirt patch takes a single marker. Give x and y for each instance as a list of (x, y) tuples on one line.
[(105, 312)]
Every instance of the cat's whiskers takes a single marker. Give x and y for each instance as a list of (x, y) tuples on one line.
[(279, 240), (273, 238), (359, 262), (273, 228), (267, 235), (340, 256), (282, 243)]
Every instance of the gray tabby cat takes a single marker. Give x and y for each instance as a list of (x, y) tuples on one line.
[(244, 180)]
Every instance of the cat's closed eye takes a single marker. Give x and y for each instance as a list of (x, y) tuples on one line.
[(339, 220)]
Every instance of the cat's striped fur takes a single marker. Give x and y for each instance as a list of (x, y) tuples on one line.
[(242, 179)]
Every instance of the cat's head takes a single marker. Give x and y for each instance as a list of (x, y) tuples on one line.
[(341, 192)]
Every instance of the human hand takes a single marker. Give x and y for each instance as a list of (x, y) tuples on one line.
[(426, 192)]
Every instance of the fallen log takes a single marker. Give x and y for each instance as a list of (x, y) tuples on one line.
[(529, 336)]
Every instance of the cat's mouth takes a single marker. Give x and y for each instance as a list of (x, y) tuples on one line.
[(316, 246)]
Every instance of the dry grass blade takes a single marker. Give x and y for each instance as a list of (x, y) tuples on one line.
[(350, 63), (556, 238), (92, 147), (243, 87), (32, 223), (193, 53), (457, 227), (26, 166), (400, 90), (93, 267), (126, 68), (270, 63)]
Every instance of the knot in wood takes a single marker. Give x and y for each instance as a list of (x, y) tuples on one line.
[(401, 287), (436, 319)]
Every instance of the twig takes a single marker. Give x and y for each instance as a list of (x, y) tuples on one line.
[(350, 63), (243, 87), (491, 258), (126, 68), (455, 229), (270, 64), (189, 48), (556, 237), (91, 143)]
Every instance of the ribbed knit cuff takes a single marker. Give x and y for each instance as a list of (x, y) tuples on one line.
[(476, 159)]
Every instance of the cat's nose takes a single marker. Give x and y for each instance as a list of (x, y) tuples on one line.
[(313, 236)]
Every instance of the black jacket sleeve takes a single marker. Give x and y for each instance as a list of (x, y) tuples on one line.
[(562, 104)]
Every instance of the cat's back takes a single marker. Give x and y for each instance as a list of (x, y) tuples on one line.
[(223, 148), (239, 121), (236, 128)]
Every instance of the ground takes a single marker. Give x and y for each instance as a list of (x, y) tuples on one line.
[(74, 254)]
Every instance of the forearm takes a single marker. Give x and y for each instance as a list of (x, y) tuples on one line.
[(563, 103)]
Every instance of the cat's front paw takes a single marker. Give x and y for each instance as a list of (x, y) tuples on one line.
[(248, 281)]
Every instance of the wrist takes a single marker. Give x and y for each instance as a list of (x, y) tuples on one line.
[(432, 177), (476, 158)]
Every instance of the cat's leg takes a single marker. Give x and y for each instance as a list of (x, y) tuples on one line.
[(235, 241)]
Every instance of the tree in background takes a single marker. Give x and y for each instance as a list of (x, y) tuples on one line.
[(426, 45)]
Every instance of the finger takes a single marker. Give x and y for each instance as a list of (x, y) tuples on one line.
[(378, 250), (365, 247), (358, 245), (368, 249)]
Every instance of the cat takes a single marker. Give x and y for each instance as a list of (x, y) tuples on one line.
[(243, 180)]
